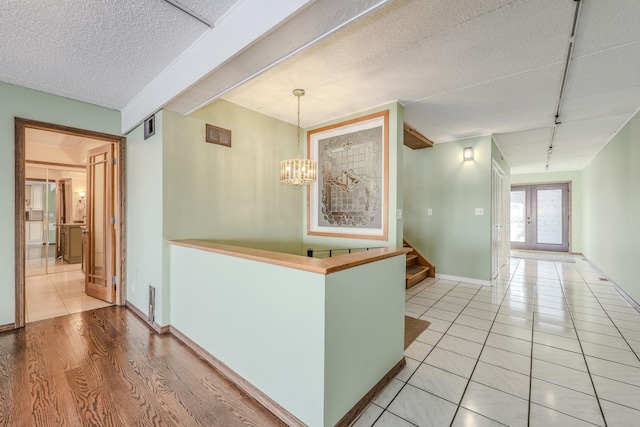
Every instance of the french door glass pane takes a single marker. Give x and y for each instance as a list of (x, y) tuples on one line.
[(99, 221), (549, 215), (518, 216)]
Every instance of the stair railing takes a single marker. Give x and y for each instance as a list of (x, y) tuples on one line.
[(311, 252)]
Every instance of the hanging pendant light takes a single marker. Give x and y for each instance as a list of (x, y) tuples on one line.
[(298, 171)]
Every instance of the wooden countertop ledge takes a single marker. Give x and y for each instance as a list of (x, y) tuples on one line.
[(314, 265)]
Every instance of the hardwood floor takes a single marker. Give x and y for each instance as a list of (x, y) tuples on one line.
[(105, 367)]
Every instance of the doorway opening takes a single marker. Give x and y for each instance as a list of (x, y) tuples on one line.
[(69, 195), (540, 217)]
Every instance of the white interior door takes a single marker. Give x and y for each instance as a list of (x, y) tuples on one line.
[(499, 220)]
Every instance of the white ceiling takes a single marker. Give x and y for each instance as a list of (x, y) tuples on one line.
[(55, 147), (462, 68), (61, 140)]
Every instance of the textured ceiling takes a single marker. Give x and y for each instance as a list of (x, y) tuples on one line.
[(102, 52), (462, 68), (465, 68)]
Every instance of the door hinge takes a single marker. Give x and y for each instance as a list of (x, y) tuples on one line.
[(114, 220), (115, 160)]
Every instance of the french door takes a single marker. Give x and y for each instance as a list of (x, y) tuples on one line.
[(540, 217), (100, 232)]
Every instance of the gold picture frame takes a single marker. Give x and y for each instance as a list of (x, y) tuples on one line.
[(351, 195)]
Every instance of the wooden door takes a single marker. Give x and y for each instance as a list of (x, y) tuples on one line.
[(100, 234)]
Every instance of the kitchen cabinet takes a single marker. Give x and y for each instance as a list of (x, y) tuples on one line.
[(71, 242), (36, 197), (34, 231)]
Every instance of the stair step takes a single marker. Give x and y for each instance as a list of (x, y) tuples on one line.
[(416, 269), (415, 274), (411, 259)]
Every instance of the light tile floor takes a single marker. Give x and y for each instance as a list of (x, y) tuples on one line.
[(58, 293), (37, 263), (550, 344)]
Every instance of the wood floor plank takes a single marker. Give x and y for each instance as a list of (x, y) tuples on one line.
[(107, 368)]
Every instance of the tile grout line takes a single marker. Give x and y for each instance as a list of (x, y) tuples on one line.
[(584, 357), (481, 350), (405, 383), (533, 327), (531, 377), (434, 346), (614, 325), (617, 288)]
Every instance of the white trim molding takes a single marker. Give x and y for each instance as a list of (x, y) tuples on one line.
[(463, 279)]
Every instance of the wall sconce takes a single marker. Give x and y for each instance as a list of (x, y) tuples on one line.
[(467, 153), (81, 206)]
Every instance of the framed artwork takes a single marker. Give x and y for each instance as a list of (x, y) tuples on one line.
[(350, 196)]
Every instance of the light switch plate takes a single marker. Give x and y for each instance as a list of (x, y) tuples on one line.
[(429, 212), (399, 214), (479, 211)]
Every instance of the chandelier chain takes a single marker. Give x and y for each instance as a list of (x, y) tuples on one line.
[(299, 95)]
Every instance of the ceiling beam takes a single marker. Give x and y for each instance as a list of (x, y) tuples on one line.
[(414, 139), (247, 22)]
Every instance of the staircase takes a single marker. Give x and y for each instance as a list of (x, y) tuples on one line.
[(418, 268)]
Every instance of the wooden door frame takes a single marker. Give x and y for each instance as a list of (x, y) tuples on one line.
[(21, 125)]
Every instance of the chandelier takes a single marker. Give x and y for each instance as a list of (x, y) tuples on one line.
[(298, 171)]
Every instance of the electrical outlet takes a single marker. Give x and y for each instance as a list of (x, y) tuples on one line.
[(479, 211), (399, 214), (429, 212)]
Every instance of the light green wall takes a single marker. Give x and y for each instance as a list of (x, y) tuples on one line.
[(611, 185), (577, 214), (395, 227), (146, 248), (364, 324), (231, 195), (16, 101), (187, 188), (453, 238), (318, 344), (263, 321)]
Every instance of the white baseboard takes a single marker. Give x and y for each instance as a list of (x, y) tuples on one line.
[(463, 279)]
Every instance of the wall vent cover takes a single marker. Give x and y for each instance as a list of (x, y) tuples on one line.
[(217, 135), (150, 126)]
